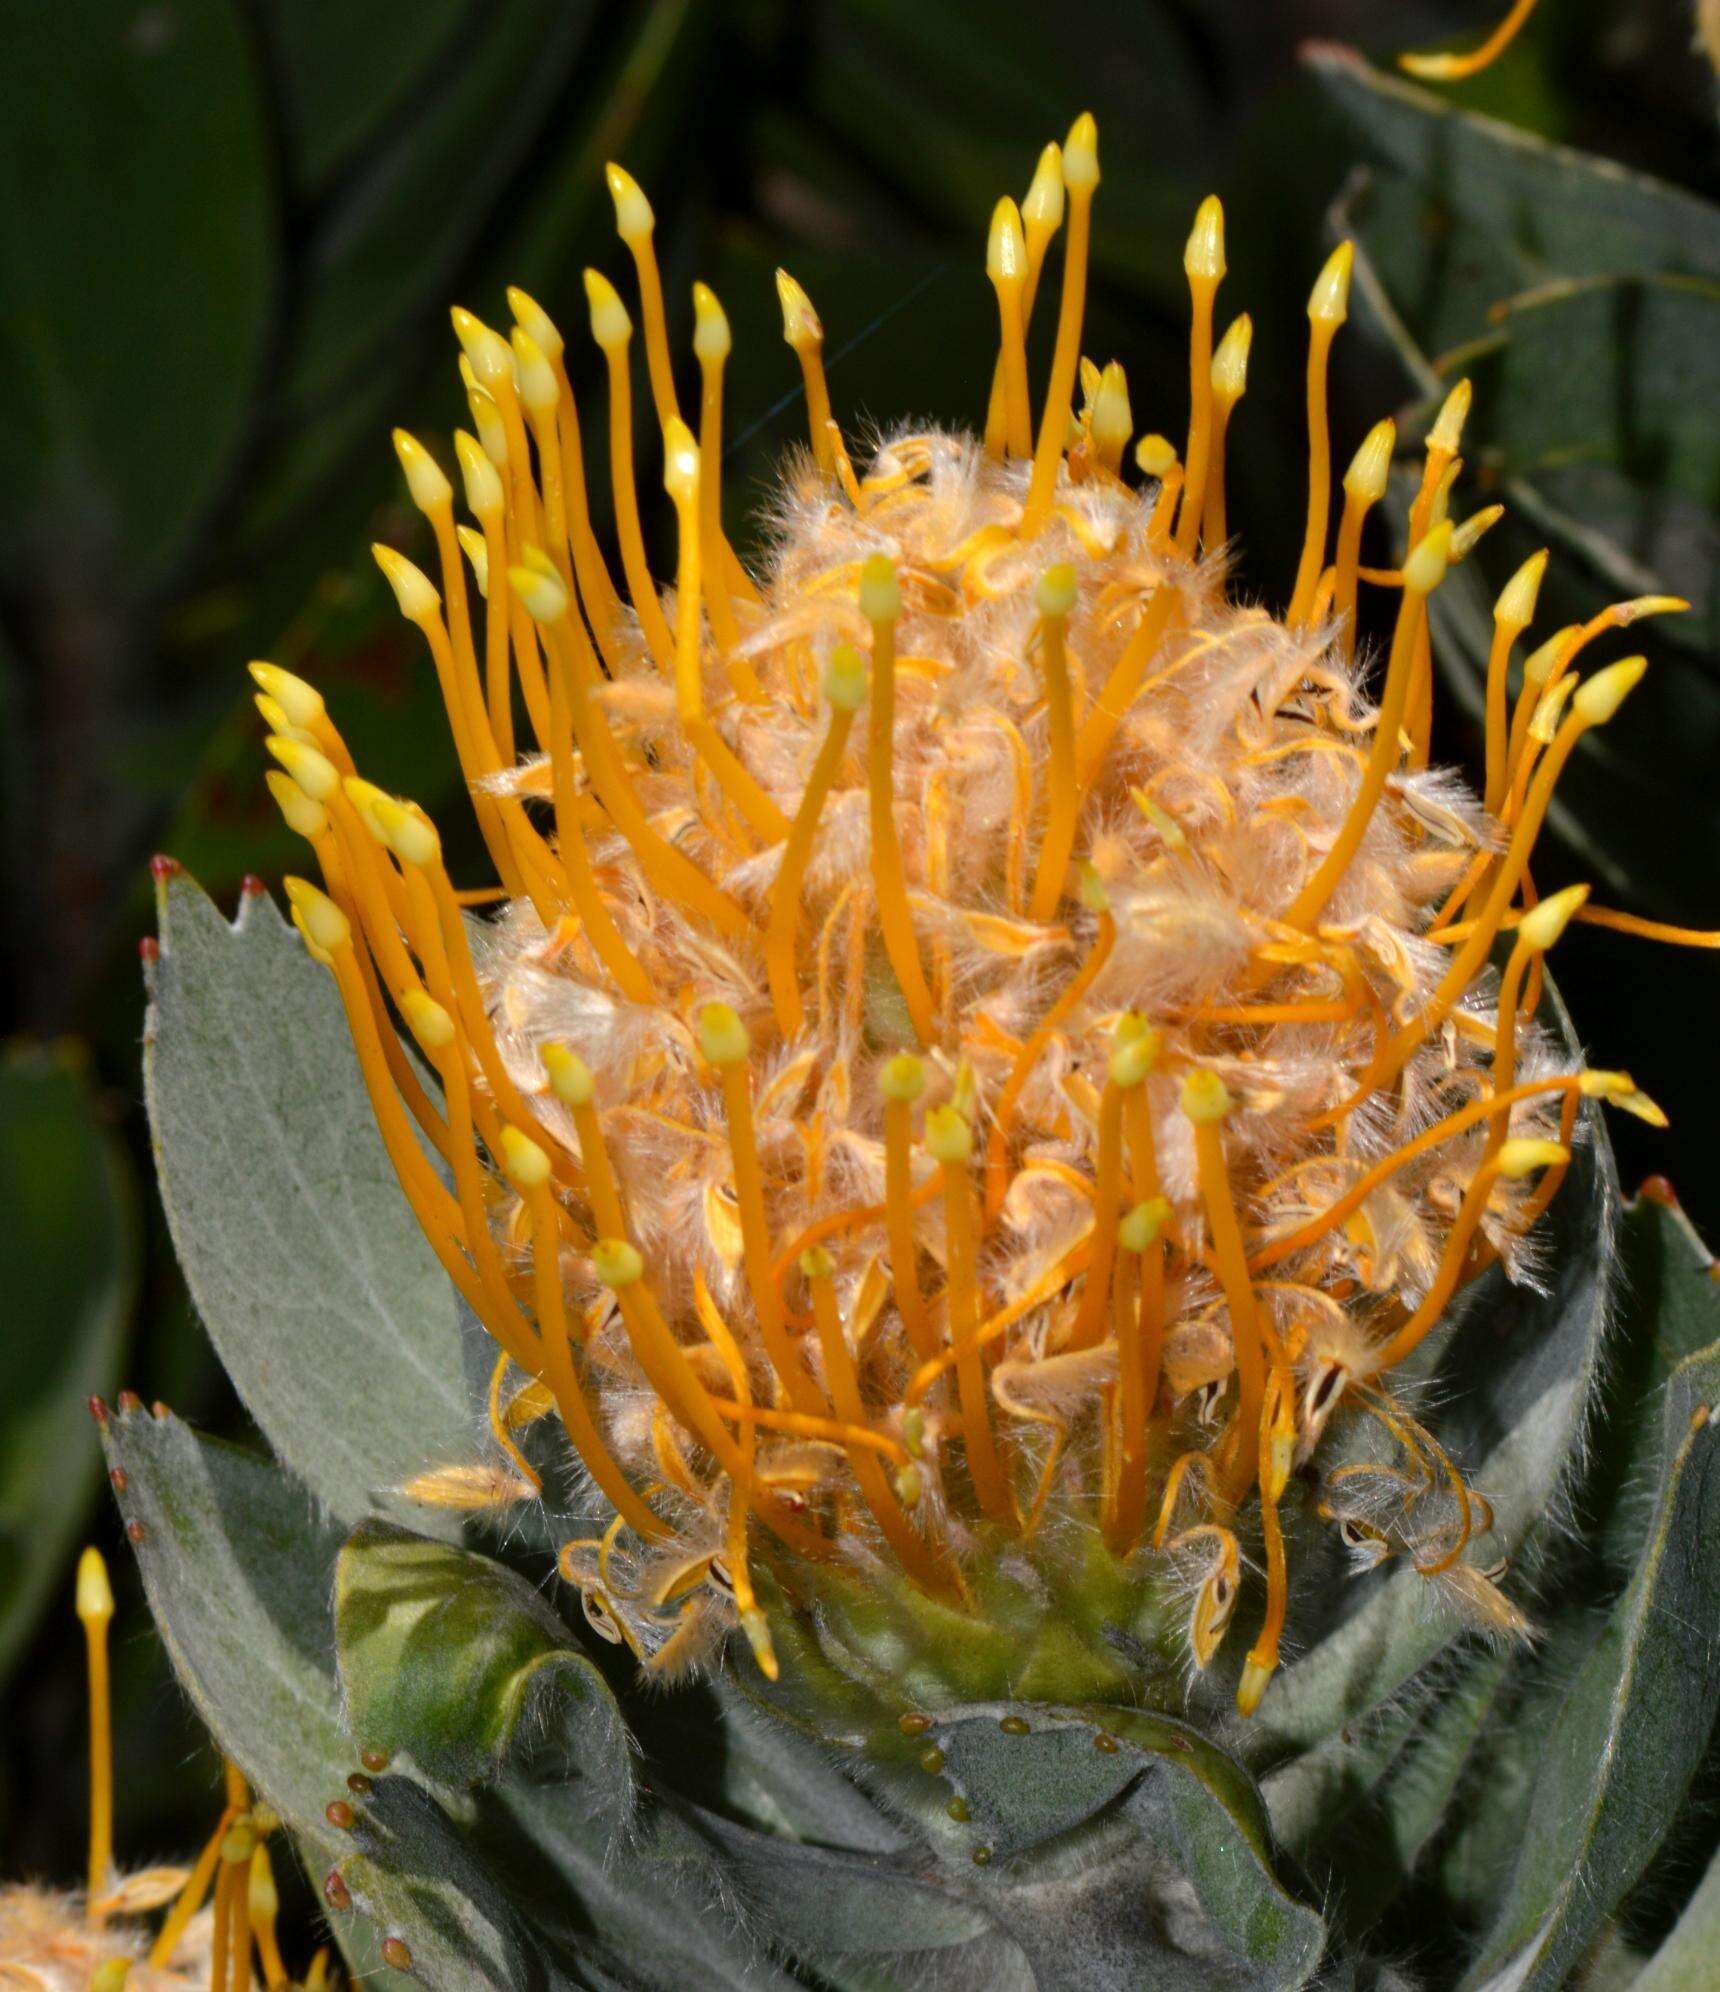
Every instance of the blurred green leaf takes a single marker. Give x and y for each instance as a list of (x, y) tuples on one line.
[(451, 1658), (1630, 357), (327, 1306), (391, 243), (349, 68), (136, 232), (68, 1269)]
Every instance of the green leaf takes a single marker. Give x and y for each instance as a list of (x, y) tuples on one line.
[(238, 1566), (375, 262), (1632, 1726), (449, 1657), (136, 218), (68, 1269), (323, 1299), (348, 66)]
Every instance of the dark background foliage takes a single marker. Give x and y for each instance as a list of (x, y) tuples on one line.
[(229, 231)]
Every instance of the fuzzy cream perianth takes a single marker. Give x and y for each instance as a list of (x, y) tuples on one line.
[(987, 1035)]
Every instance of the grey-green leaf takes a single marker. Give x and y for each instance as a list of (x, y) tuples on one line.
[(238, 1566), (322, 1298), (1633, 1724), (1569, 212), (451, 1658), (68, 1269), (1128, 1793)]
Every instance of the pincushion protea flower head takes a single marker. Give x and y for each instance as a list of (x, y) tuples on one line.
[(990, 1043)]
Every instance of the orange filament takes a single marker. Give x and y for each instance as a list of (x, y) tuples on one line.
[(844, 685), (1080, 178), (437, 1213), (722, 573), (950, 1141), (1451, 1265), (1139, 1291), (1009, 425), (596, 588), (1229, 379), (613, 331), (95, 1613), (1120, 689), (1364, 485), (1263, 1656), (879, 1496), (1161, 519), (635, 224), (1536, 1205), (1205, 1093), (1357, 1194), (557, 1359), (1647, 930), (1003, 1115), (724, 1043), (499, 1313), (336, 876), (1203, 261), (805, 335), (682, 479), (625, 968), (1184, 1464), (499, 1431), (1512, 614), (903, 1081), (191, 1896), (1555, 657), (854, 1434), (659, 1354), (1056, 594), (1041, 216), (457, 675), (879, 603), (1089, 1324), (1326, 310), (740, 1491), (669, 869), (1469, 957), (1454, 68), (1422, 574)]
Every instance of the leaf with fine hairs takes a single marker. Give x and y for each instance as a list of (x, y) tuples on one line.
[(324, 1302)]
